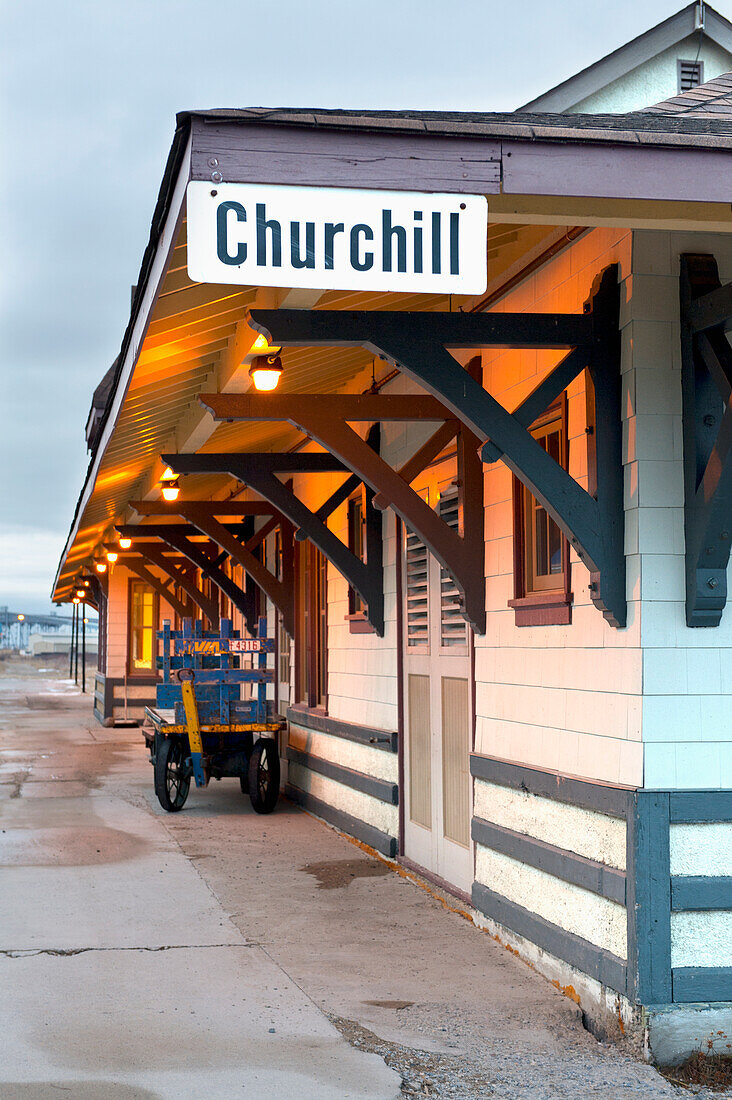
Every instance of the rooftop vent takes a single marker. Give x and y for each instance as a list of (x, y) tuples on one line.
[(690, 75)]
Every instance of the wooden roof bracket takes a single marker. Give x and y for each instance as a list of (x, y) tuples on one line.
[(164, 588), (259, 472), (153, 553), (417, 344), (325, 418), (202, 516), (706, 386), (176, 536)]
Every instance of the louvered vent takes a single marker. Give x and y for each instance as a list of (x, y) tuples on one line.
[(418, 604), (690, 75), (452, 624)]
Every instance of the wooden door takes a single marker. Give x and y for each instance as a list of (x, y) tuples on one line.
[(438, 705)]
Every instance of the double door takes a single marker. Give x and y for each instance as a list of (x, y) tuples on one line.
[(438, 703)]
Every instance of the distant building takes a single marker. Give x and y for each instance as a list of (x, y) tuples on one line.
[(36, 633), (689, 48)]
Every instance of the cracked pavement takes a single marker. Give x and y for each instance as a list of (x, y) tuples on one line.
[(216, 953), (122, 974)]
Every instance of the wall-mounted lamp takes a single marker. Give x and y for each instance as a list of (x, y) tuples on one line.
[(265, 371), (169, 484), (76, 600), (21, 618), (81, 593), (86, 584), (100, 566), (112, 556), (125, 544)]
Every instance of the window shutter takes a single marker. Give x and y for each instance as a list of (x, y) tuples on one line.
[(453, 630), (418, 632)]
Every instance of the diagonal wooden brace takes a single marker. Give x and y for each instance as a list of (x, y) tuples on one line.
[(153, 553), (417, 344), (259, 473), (178, 540), (202, 515), (326, 422), (706, 384)]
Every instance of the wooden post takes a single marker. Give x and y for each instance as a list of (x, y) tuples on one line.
[(83, 648), (76, 647), (71, 647)]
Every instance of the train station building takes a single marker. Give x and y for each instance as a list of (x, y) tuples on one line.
[(446, 397)]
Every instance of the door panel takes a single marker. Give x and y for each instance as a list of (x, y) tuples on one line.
[(455, 757), (420, 750)]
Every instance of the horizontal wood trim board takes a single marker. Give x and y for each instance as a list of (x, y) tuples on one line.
[(331, 158), (387, 740), (584, 956), (606, 170), (361, 830), (694, 892), (600, 797), (702, 983), (358, 781), (134, 701), (693, 807), (608, 882)]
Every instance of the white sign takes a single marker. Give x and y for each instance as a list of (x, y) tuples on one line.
[(336, 238), (244, 645)]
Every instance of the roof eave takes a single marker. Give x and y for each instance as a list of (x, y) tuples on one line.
[(179, 151)]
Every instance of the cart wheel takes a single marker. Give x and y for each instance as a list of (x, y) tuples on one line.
[(172, 780), (263, 776)]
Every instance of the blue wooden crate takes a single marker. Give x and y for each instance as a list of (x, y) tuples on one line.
[(214, 659)]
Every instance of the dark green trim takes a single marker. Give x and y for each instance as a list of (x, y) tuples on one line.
[(584, 956), (369, 834), (652, 902), (696, 807), (596, 877), (367, 784), (604, 799), (702, 983), (696, 892), (103, 697), (365, 735), (630, 899)]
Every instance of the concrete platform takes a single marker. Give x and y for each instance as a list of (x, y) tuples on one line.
[(216, 953)]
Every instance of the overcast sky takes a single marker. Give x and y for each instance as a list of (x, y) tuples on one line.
[(90, 89)]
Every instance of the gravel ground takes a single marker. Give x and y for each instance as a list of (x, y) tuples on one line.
[(506, 1072)]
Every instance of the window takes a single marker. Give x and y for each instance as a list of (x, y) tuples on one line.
[(690, 74), (143, 615), (283, 649), (356, 546), (357, 615), (311, 626), (541, 552)]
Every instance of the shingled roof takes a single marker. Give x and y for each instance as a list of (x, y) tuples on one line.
[(712, 100), (701, 118)]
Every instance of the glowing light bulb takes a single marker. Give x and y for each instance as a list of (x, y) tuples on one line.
[(265, 372), (169, 484), (125, 544)]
